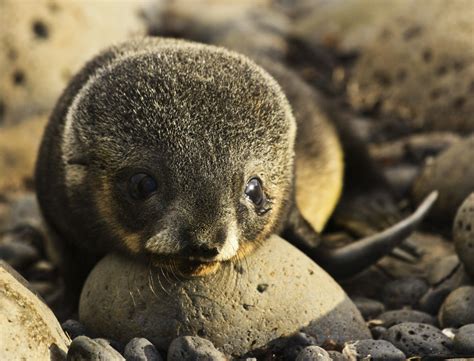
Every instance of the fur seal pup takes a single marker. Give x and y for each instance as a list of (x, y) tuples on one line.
[(184, 154)]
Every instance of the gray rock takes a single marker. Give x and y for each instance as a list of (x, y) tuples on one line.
[(463, 232), (368, 308), (458, 308), (313, 353), (74, 328), (28, 328), (449, 173), (378, 332), (442, 269), (219, 306), (392, 318), (337, 356), (83, 348), (193, 348), (418, 339), (374, 350), (464, 340), (140, 349), (404, 292)]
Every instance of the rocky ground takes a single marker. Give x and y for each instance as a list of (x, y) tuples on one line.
[(400, 73)]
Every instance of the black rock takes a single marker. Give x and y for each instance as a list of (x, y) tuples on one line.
[(404, 292), (83, 348), (419, 339), (313, 353), (290, 347), (140, 349), (458, 308), (392, 318), (464, 340), (375, 350), (368, 308), (378, 332), (74, 328), (193, 348)]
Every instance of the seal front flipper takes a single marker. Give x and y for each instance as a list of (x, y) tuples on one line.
[(353, 258)]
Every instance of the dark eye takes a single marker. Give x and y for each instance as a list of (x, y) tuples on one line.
[(142, 185), (254, 192)]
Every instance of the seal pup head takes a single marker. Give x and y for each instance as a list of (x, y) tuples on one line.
[(184, 151)]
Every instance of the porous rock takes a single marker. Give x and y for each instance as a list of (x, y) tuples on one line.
[(463, 233), (375, 350), (392, 318), (84, 348), (123, 299), (458, 308), (450, 173), (419, 74), (368, 308), (28, 328), (140, 349), (404, 292), (44, 43), (419, 339)]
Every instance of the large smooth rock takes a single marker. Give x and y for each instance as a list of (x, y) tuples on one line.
[(28, 328), (274, 292), (450, 173)]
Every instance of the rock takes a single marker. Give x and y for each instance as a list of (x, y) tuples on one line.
[(418, 339), (450, 174), (464, 340), (313, 353), (464, 233), (85, 349), (404, 292), (457, 309), (256, 295), (419, 74), (377, 332), (140, 349), (290, 347), (28, 328), (434, 298), (391, 318), (443, 269), (193, 348), (368, 308), (18, 254), (74, 328), (46, 43), (337, 356), (374, 350)]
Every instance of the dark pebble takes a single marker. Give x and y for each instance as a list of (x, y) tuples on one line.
[(418, 339), (140, 349), (458, 308), (74, 328), (337, 356), (290, 347), (374, 350), (378, 332), (18, 254), (404, 292), (392, 318), (368, 308), (83, 348), (313, 353), (193, 348), (464, 340)]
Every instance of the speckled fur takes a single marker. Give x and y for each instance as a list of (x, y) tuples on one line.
[(202, 120)]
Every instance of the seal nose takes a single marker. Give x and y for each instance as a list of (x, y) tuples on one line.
[(204, 251)]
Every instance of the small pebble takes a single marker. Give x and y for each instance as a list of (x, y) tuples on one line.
[(337, 356), (458, 308), (464, 340), (291, 346), (83, 348), (378, 332), (463, 232), (193, 348), (74, 328), (313, 353), (140, 349), (392, 318), (418, 339), (368, 308), (404, 292), (374, 350)]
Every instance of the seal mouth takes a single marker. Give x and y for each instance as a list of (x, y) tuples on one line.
[(186, 266)]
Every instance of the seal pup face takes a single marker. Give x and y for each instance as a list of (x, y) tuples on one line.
[(186, 151)]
